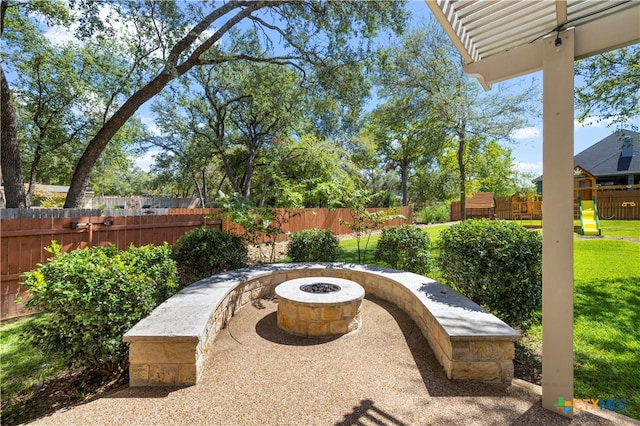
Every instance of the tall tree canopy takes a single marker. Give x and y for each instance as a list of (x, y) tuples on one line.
[(424, 65), (166, 39), (612, 86)]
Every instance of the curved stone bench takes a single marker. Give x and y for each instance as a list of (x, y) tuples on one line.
[(170, 345)]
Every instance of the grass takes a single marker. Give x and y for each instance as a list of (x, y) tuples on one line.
[(606, 321), (22, 365), (606, 318), (621, 228)]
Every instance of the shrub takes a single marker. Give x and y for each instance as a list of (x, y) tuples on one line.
[(93, 296), (203, 252), (433, 214), (497, 264), (406, 248), (313, 245)]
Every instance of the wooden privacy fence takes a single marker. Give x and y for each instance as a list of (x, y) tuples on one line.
[(24, 237), (331, 219), (619, 203), (24, 234)]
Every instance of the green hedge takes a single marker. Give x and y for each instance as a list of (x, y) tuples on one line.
[(497, 264), (203, 252), (313, 245), (406, 248), (93, 296)]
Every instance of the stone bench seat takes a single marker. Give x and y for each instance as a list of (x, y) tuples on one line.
[(169, 346)]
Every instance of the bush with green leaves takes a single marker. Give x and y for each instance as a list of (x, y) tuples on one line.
[(313, 245), (93, 296), (497, 264), (406, 248), (204, 251), (433, 214)]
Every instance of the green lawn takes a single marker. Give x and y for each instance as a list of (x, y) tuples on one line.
[(21, 366), (606, 315)]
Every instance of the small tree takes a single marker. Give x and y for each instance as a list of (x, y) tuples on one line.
[(364, 222), (259, 225)]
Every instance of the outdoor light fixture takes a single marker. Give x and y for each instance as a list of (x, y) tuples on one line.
[(75, 225), (558, 41)]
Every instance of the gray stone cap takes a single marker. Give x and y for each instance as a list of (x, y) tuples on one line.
[(185, 315), (350, 291)]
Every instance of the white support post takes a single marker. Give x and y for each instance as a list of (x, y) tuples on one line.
[(557, 239)]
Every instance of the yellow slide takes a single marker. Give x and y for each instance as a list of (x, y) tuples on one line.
[(589, 218)]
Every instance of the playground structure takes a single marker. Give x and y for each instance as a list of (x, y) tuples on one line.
[(585, 202), (589, 220)]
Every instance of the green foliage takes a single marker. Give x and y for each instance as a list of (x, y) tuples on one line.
[(313, 245), (433, 214), (406, 248), (497, 264), (258, 225), (203, 252), (611, 90), (94, 295), (363, 222)]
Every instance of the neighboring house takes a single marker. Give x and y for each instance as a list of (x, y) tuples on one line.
[(49, 196), (615, 160)]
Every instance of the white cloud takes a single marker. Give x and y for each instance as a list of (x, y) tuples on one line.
[(146, 160), (593, 121), (524, 167), (526, 133)]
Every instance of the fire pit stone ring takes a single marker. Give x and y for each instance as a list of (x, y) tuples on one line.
[(319, 306)]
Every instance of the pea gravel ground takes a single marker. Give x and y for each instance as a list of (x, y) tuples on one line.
[(383, 374)]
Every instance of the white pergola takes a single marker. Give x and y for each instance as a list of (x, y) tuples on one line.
[(500, 40)]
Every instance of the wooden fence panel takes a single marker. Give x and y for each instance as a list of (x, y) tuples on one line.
[(618, 204), (25, 234), (503, 208), (23, 241)]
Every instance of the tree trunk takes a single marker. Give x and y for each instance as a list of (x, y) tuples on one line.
[(463, 175), (205, 190), (37, 156), (10, 162), (404, 177), (195, 180), (80, 179)]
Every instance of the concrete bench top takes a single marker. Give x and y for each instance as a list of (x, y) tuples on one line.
[(184, 316)]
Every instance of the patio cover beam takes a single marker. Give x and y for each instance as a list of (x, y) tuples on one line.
[(611, 32)]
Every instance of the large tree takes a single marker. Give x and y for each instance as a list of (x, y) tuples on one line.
[(13, 24), (311, 35), (611, 89), (406, 134), (426, 66)]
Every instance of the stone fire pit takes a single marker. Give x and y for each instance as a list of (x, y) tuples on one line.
[(319, 306)]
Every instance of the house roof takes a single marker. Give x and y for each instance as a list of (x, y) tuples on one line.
[(605, 157)]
